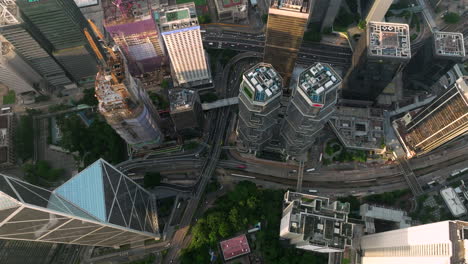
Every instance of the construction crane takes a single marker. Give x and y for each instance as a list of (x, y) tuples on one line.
[(101, 38), (94, 46)]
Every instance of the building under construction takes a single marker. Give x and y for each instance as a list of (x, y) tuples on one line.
[(130, 24), (442, 120), (125, 104)]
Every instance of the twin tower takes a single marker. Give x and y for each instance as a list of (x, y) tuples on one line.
[(261, 123)]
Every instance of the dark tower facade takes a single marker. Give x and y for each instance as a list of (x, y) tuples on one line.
[(376, 60), (62, 25), (438, 55)]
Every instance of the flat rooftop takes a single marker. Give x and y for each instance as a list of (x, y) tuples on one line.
[(301, 6), (389, 40), (316, 80), (359, 128), (181, 99), (176, 17), (453, 202), (321, 221), (235, 247), (449, 44), (263, 81)]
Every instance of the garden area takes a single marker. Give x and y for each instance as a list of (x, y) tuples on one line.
[(9, 98), (335, 152), (233, 214), (41, 173), (24, 136), (99, 140), (159, 101)]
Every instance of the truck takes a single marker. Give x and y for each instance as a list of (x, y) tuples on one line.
[(313, 191)]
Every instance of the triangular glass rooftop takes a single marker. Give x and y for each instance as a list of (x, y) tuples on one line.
[(86, 190), (100, 193)]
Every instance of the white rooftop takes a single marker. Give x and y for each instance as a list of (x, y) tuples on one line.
[(388, 40), (449, 44), (453, 202), (316, 80)]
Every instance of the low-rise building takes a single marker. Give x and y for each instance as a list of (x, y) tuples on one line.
[(235, 247), (370, 213), (360, 128), (232, 10), (315, 223), (453, 202)]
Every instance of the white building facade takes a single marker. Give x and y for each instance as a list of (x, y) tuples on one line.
[(435, 243), (182, 38)]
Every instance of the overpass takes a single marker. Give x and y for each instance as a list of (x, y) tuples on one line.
[(220, 103)]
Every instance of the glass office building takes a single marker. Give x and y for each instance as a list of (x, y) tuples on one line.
[(100, 206)]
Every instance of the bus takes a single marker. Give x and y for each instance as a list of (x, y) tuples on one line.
[(313, 191), (310, 170)]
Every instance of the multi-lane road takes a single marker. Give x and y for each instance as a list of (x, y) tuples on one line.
[(339, 56)]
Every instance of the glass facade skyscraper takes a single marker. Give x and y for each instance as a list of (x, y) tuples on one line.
[(100, 206)]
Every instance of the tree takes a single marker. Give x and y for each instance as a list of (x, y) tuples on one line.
[(88, 98), (34, 173), (362, 24), (99, 140), (204, 19), (151, 179), (24, 137), (451, 18)]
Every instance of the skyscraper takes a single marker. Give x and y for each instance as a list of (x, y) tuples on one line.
[(438, 55), (377, 58), (100, 206), (62, 25), (181, 33), (31, 46), (126, 106), (133, 28), (435, 243), (259, 103), (315, 223), (378, 10), (186, 112), (287, 20), (311, 105), (15, 73), (440, 121)]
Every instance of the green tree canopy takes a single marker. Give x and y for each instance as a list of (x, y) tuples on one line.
[(451, 18)]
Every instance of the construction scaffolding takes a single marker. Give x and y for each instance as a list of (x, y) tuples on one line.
[(125, 105), (132, 27)]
